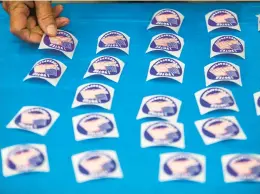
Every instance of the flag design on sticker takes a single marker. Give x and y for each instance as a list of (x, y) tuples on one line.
[(95, 125), (25, 158)]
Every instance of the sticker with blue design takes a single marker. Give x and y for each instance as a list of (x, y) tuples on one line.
[(168, 18), (35, 119), (213, 130), (93, 165), (166, 68), (167, 42), (182, 166), (47, 69), (95, 125), (215, 98), (222, 71), (63, 41), (94, 94), (227, 44), (160, 106), (162, 133), (222, 18), (24, 158), (257, 103), (113, 40), (241, 167), (107, 66)]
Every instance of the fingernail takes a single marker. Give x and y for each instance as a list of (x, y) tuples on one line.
[(51, 30)]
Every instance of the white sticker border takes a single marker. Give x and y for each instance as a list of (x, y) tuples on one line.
[(211, 28), (208, 141), (79, 137), (142, 115), (210, 81), (163, 177), (52, 81), (106, 105), (178, 79), (213, 54), (126, 50), (175, 29), (68, 54), (43, 131), (204, 110), (257, 108), (80, 178), (114, 78), (9, 172), (173, 53), (179, 144)]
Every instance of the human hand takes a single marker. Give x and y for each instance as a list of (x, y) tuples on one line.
[(29, 20)]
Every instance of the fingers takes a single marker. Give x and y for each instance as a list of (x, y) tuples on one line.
[(5, 6), (57, 10), (62, 21), (45, 17), (18, 17)]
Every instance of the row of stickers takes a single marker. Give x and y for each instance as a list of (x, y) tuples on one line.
[(94, 125), (110, 67), (100, 164)]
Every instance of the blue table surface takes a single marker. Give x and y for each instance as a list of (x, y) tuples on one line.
[(140, 166)]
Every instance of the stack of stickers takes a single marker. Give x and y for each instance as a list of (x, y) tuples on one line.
[(101, 163)]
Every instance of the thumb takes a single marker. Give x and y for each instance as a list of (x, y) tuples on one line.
[(45, 17)]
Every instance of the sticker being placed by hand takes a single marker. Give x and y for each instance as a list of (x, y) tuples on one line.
[(94, 125), (167, 42), (63, 41), (213, 130), (221, 71), (94, 165), (161, 106), (227, 44), (168, 18), (162, 133), (50, 70), (34, 119), (215, 98), (166, 68), (182, 166), (241, 167), (257, 103), (107, 66), (94, 94), (24, 158), (222, 18), (113, 39)]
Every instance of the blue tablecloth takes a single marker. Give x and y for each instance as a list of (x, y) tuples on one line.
[(140, 166)]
